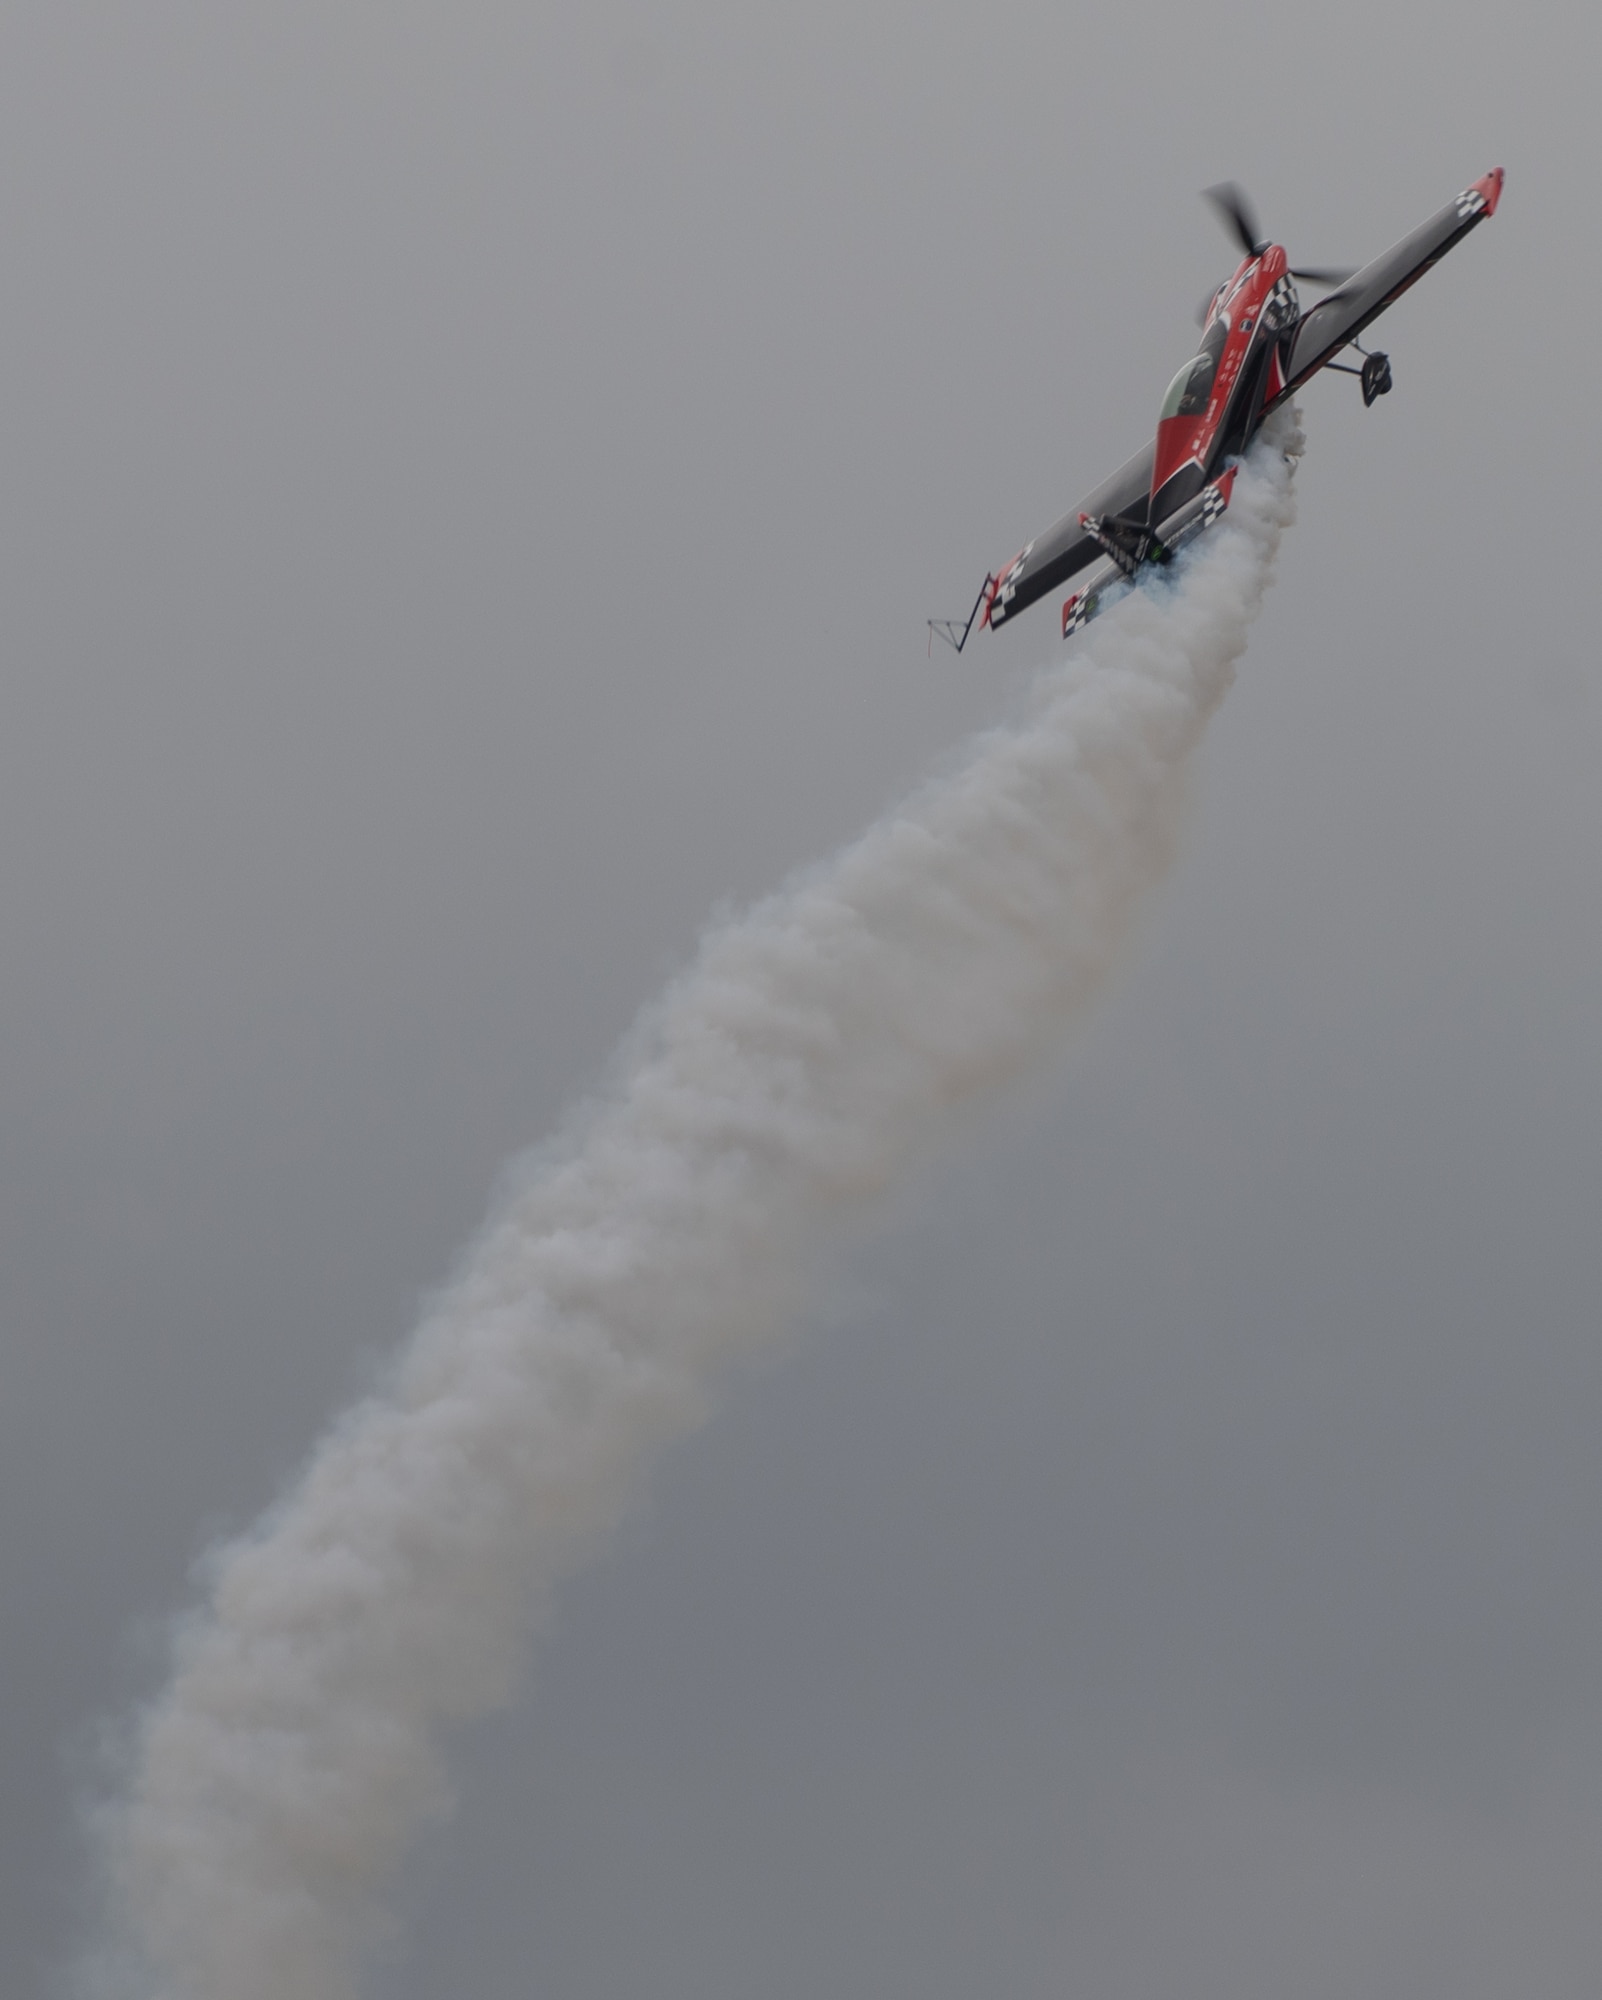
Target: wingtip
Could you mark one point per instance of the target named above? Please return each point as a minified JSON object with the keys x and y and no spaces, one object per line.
{"x":1490,"y":186}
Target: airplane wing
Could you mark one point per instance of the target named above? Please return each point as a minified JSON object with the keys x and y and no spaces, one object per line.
{"x":1065,"y":548}
{"x":1343,"y":315}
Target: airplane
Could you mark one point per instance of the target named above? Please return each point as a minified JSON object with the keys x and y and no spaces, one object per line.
{"x":1257,"y":348}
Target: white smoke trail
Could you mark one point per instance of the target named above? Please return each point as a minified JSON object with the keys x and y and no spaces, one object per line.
{"x":807,"y":1055}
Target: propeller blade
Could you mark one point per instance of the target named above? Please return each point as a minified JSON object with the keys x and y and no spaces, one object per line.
{"x":1327,"y":274}
{"x":1234,"y":205}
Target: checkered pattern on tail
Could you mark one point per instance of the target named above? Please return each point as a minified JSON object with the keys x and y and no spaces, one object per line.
{"x":1079,"y":611}
{"x":1213,"y":505}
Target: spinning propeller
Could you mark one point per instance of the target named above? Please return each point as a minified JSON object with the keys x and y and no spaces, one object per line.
{"x":1234,"y":206}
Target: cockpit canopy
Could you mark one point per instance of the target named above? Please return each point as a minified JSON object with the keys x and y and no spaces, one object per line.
{"x":1188,"y":392}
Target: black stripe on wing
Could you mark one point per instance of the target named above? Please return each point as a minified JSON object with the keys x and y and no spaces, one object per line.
{"x":1343,"y":315}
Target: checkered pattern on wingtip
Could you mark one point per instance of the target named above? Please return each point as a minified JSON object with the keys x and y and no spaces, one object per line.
{"x":1470,"y":202}
{"x":1007,"y":587}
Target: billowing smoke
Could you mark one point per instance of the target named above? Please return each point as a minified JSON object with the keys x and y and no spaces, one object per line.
{"x":813,"y":1051}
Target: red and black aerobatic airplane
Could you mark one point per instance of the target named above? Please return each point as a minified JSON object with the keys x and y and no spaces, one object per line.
{"x":1257,"y":348}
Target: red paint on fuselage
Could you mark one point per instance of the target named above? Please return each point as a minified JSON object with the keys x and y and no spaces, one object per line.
{"x":1179,"y":441}
{"x":1184,"y":443}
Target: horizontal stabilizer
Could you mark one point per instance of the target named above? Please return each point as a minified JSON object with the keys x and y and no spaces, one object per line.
{"x":1079,"y":610}
{"x":1114,"y":578}
{"x":1104,"y":586}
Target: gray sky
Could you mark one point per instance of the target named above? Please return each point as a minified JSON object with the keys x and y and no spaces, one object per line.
{"x":475,"y":480}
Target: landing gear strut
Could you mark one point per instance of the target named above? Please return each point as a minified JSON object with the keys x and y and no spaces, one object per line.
{"x":1375,"y":374}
